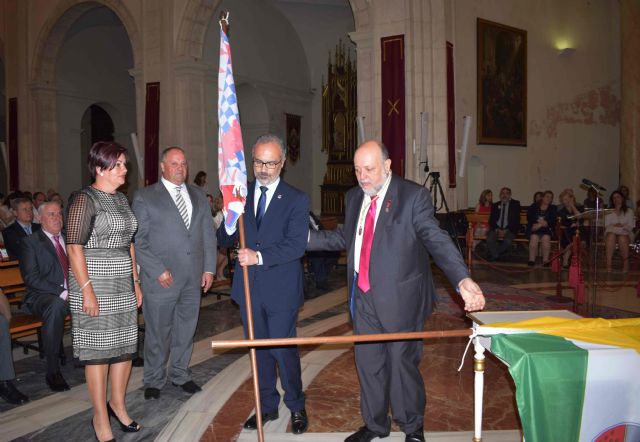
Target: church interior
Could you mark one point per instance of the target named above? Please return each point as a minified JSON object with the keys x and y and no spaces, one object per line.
{"x":326,"y":75}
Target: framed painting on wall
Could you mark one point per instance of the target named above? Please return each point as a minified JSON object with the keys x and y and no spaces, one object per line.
{"x":502,"y":84}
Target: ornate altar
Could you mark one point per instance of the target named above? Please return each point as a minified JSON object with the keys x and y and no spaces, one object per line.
{"x":339,"y":131}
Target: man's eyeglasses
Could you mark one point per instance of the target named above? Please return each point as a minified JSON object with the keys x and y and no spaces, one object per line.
{"x":268,"y":164}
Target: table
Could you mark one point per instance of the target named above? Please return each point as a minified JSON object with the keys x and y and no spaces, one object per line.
{"x":481,"y":343}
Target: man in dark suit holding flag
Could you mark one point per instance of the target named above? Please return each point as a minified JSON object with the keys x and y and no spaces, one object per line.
{"x":276,"y":231}
{"x":390,"y":232}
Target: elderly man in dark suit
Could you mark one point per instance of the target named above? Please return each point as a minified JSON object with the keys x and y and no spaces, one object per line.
{"x":504,"y":223}
{"x":21,"y":228}
{"x":390,"y":232}
{"x":176,"y":251}
{"x":45,"y":269}
{"x":276,"y":228}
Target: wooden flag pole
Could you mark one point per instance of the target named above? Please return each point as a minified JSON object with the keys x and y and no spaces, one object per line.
{"x":317,"y":340}
{"x":224,"y":23}
{"x":249,"y":315}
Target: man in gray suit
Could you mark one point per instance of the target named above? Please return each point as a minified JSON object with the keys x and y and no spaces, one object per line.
{"x":176,"y":250}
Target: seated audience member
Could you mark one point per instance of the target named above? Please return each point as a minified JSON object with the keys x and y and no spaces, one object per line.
{"x":592,"y":199}
{"x":504,"y":223}
{"x":484,"y":206}
{"x":45,"y":269}
{"x":21,"y":228}
{"x":218,"y":218}
{"x":541,"y":222}
{"x":38,"y":198}
{"x":636,"y":230}
{"x":618,"y":228}
{"x":624,"y":190}
{"x":571,"y":225}
{"x":537,"y":197}
{"x":7,"y":217}
{"x":201,"y":179}
{"x":56,"y":197}
{"x":8,"y":390}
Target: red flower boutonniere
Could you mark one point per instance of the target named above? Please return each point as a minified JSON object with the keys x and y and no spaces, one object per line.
{"x":388,"y":206}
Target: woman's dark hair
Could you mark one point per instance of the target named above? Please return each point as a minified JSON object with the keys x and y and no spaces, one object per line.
{"x":623,"y":207}
{"x":200,"y":177}
{"x":535,"y":196}
{"x":104,"y":155}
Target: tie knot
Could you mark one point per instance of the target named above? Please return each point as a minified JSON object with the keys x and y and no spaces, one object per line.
{"x":178,"y":189}
{"x":57,"y":238}
{"x":263,"y":189}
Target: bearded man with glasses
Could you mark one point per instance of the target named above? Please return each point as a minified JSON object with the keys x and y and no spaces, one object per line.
{"x":276,"y":230}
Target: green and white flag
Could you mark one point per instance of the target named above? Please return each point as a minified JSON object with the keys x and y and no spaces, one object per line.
{"x":576,"y":380}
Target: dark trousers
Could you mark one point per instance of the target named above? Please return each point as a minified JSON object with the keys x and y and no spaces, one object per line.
{"x":52,"y":309}
{"x":388,"y":373}
{"x":6,"y":358}
{"x":496,"y":247}
{"x":274,"y":360}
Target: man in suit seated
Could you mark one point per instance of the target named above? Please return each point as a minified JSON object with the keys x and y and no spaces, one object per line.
{"x":21,"y":228}
{"x":504,"y":223}
{"x":45,"y":269}
{"x":8,"y":390}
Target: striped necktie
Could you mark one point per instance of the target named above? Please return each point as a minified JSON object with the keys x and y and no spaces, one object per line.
{"x":182,"y":206}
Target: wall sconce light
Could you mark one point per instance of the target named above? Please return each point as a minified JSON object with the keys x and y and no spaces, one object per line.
{"x":565,"y":52}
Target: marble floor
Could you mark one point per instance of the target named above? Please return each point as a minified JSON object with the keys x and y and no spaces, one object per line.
{"x":329,"y":377}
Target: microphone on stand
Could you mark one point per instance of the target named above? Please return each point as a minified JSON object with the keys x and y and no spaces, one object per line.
{"x":590,"y":183}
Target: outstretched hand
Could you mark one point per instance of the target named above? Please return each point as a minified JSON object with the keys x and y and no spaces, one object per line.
{"x":471,"y":294}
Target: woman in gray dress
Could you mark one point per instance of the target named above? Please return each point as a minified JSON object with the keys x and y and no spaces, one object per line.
{"x":104,"y":289}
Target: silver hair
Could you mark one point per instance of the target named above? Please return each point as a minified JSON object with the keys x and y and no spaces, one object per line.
{"x":270,"y":138}
{"x":44,"y":205}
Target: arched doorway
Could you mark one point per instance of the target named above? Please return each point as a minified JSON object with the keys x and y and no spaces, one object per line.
{"x":93,"y":65}
{"x":82,"y":55}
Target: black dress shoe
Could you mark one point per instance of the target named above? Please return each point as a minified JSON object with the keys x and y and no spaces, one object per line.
{"x":190,"y":387}
{"x":56,"y":382}
{"x":252,"y":422}
{"x":133,"y":427}
{"x":151,"y":393}
{"x":416,"y":436}
{"x":11,"y":394}
{"x":364,"y":435}
{"x":299,"y":421}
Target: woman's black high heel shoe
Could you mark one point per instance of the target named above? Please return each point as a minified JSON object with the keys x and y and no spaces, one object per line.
{"x":133,"y":427}
{"x":96,"y":434}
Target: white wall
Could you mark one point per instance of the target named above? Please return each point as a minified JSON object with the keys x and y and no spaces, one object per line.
{"x":573,"y":101}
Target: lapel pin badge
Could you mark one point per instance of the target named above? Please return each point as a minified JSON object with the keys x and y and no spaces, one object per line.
{"x":279,"y":196}
{"x":388,"y":206}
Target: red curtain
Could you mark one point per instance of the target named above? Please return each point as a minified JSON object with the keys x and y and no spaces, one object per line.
{"x":393,"y":109}
{"x":14,"y":172}
{"x":451,"y":117}
{"x":151,"y":133}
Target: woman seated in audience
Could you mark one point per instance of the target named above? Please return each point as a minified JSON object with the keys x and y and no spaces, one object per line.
{"x":571,"y":225}
{"x":484,"y":206}
{"x":6,"y":214}
{"x":618,"y":228}
{"x":541,"y":222}
{"x":218,"y":218}
{"x":537,"y":197}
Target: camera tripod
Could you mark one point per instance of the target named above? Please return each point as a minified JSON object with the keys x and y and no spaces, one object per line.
{"x":440,"y":201}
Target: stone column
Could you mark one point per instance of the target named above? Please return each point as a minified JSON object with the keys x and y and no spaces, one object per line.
{"x":190,"y":113}
{"x":423,"y":24}
{"x":39,"y":157}
{"x":630,"y":91}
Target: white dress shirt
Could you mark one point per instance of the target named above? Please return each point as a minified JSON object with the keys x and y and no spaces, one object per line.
{"x":171,"y":187}
{"x":366,"y":203}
